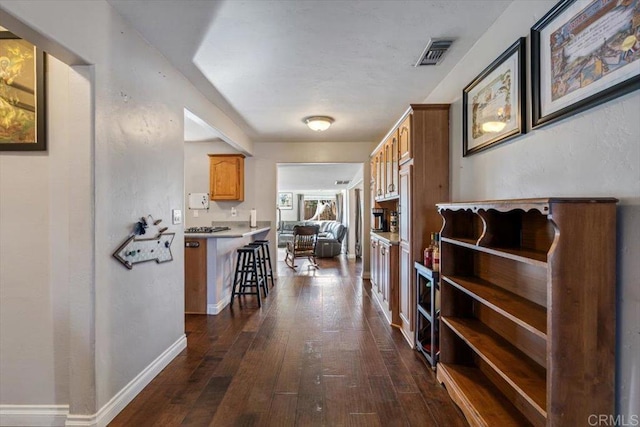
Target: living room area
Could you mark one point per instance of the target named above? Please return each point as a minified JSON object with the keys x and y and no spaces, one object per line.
{"x":326,"y":195}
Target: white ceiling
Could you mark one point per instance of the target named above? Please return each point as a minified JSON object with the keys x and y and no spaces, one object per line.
{"x":268,"y":64}
{"x":317,"y":176}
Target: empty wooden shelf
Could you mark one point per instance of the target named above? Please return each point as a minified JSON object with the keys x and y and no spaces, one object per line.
{"x":528,"y":309}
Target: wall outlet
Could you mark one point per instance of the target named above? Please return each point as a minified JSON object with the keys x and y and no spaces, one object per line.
{"x":196,"y":214}
{"x":234,"y":212}
{"x":176,"y":216}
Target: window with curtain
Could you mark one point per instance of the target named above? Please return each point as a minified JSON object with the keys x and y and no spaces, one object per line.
{"x":320,"y":209}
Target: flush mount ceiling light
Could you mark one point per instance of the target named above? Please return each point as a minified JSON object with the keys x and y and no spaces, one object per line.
{"x":318,"y":123}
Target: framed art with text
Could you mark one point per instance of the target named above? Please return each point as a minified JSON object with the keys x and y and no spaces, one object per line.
{"x":583,"y":53}
{"x":22,"y":101}
{"x":494,"y":102}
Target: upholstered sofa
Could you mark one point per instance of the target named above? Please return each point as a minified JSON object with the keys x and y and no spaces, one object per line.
{"x":330,"y":236}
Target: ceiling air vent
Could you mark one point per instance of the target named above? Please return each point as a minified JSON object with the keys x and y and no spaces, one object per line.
{"x":342,"y":182}
{"x":434,"y":52}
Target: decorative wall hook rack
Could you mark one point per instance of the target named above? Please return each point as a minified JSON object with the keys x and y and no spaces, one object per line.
{"x":136,"y":250}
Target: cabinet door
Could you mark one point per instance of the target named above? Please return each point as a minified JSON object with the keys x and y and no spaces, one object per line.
{"x":226,"y":177}
{"x":404,"y":205}
{"x":387,"y":167}
{"x":195,"y":276}
{"x":406,"y":292}
{"x":382,"y":172}
{"x":404,"y":136}
{"x":374,"y":176}
{"x":391,"y":164}
{"x":384,"y":273}
{"x":374,"y":263}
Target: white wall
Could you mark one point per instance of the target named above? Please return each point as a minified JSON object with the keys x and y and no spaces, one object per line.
{"x":268,"y":154}
{"x":595,"y":153}
{"x":34,"y":270}
{"x":132,"y":165}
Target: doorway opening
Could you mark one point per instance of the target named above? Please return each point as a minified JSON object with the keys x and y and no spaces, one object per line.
{"x":325,"y":194}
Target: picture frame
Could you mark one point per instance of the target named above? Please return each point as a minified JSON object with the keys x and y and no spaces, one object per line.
{"x":285,"y":200}
{"x":22,"y":95}
{"x":583,"y":54}
{"x":494,"y":103}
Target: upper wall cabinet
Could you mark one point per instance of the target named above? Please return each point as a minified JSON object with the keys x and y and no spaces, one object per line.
{"x":391,"y":165}
{"x":404,"y":131}
{"x":384,"y":172}
{"x":226,"y":176}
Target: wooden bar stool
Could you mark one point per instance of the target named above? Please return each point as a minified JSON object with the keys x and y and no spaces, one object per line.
{"x":247,"y":275}
{"x":266,"y":256}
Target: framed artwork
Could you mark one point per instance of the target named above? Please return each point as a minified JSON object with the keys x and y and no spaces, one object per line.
{"x":494,"y":102}
{"x":22,"y":103}
{"x":583,"y":53}
{"x":285,"y":200}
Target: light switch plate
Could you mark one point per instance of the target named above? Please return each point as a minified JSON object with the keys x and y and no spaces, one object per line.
{"x":176,"y":216}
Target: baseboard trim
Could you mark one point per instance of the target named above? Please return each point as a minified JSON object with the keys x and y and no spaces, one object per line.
{"x":33,"y":415}
{"x":217,"y":308}
{"x":109,"y":411}
{"x":408,"y":338}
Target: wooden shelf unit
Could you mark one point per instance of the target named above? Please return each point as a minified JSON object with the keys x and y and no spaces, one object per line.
{"x":527,"y":333}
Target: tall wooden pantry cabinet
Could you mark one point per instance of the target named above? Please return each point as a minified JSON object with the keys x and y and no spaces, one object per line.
{"x":424,"y":181}
{"x":419,"y":145}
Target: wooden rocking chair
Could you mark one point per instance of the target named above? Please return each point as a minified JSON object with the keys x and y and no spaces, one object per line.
{"x":305,"y":238}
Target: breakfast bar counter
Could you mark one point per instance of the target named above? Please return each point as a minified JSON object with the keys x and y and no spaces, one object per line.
{"x":232,"y":232}
{"x":210,"y":263}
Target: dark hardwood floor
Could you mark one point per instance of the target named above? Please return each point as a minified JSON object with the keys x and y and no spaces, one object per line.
{"x":318,"y":353}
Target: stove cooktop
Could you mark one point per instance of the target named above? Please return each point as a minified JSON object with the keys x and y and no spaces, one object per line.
{"x":205,"y":229}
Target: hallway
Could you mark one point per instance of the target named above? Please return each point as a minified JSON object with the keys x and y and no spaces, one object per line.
{"x":319,"y":353}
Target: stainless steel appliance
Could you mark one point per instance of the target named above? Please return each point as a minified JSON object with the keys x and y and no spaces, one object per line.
{"x":378,"y":222}
{"x":205,"y":229}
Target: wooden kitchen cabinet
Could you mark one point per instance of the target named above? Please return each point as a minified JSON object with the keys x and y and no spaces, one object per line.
{"x":384,"y":169}
{"x":411,"y":167}
{"x":406,"y":261}
{"x":404,"y":140}
{"x":226,"y":177}
{"x":375,"y":263}
{"x":195,"y":275}
{"x":384,"y":276}
{"x":391,"y":165}
{"x":422,"y":157}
